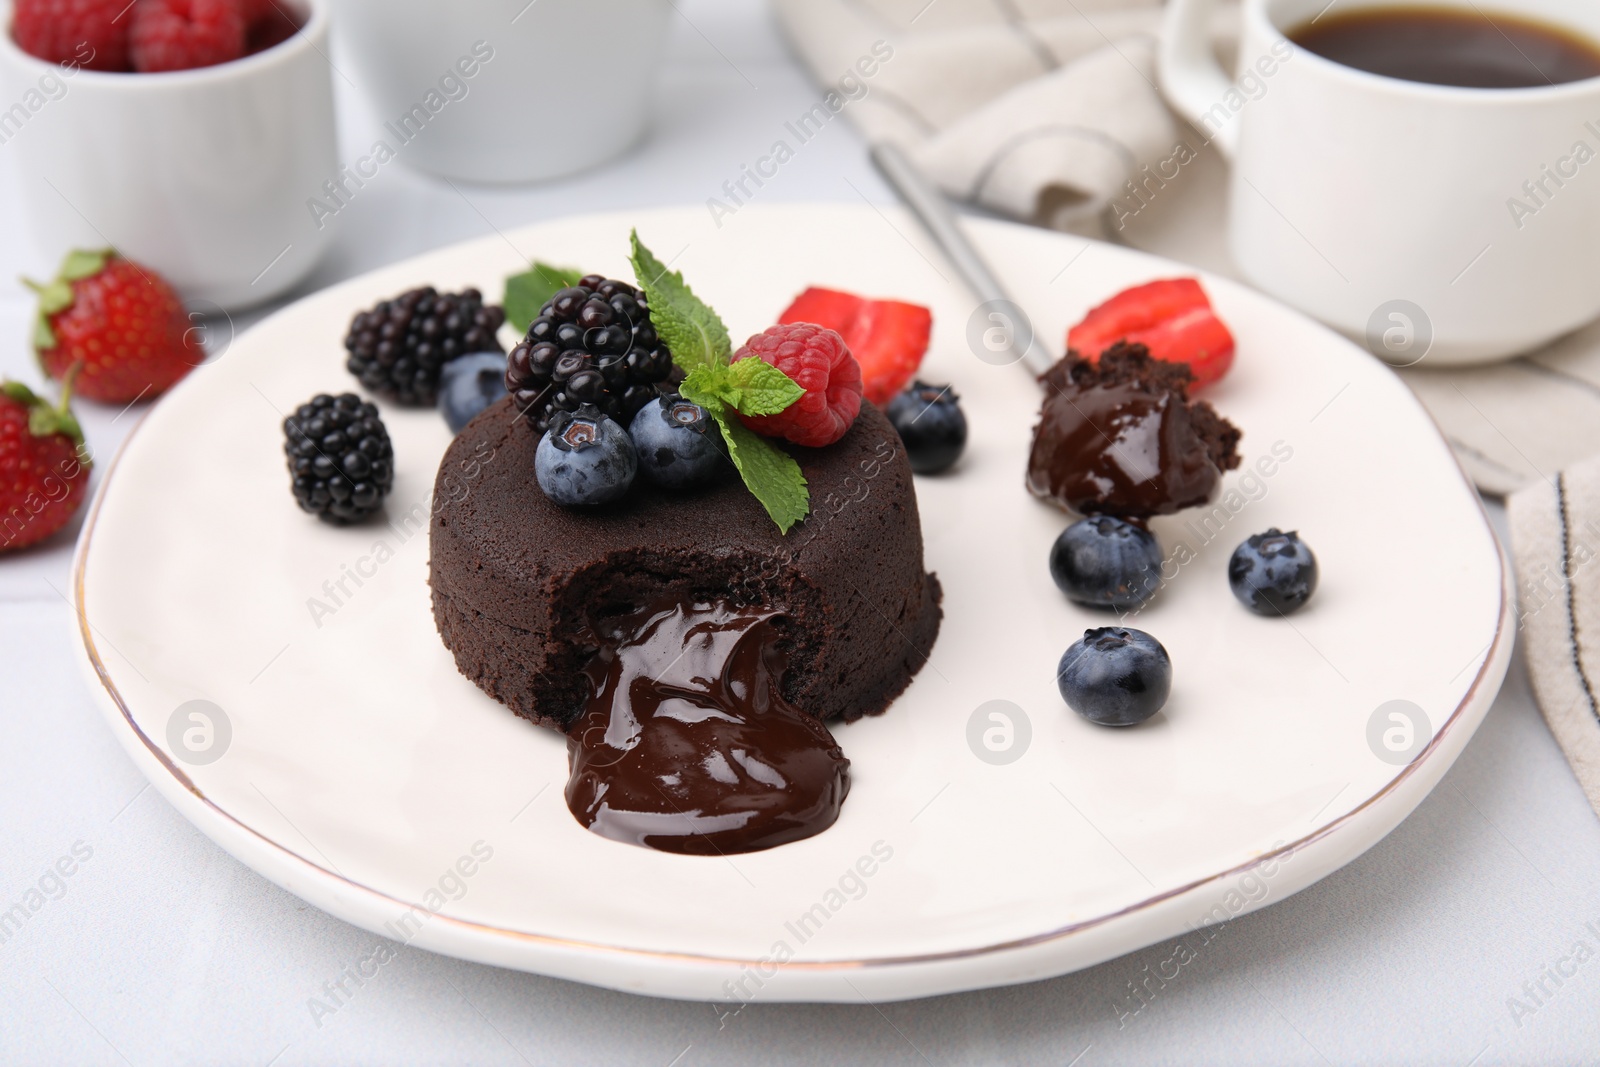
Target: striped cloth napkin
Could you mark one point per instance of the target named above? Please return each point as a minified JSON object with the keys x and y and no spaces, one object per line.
{"x":1555,"y":537}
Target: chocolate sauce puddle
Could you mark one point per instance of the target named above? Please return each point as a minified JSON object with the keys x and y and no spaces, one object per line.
{"x":686,"y":745}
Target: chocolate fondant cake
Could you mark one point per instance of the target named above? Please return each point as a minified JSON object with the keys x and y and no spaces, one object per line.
{"x":526,"y":591}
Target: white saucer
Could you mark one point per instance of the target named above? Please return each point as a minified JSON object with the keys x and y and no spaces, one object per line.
{"x":366,"y":776}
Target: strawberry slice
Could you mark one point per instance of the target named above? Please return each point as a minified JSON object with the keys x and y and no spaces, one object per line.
{"x":1172,"y":318}
{"x":887,"y":337}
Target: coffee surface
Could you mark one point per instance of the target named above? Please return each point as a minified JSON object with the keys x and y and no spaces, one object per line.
{"x":1439,"y":46}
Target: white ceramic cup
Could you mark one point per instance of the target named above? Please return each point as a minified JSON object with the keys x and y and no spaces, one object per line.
{"x":201,"y":174}
{"x":507,"y":90}
{"x":1388,"y":208}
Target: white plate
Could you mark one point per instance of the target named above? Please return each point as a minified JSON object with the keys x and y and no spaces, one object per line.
{"x":362,"y":768}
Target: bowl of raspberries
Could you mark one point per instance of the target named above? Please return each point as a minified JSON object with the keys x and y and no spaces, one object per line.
{"x":188,"y":133}
{"x":151,"y":36}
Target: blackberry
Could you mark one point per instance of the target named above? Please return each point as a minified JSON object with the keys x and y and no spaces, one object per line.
{"x":339,"y":457}
{"x":399,"y":347}
{"x":593,"y":343}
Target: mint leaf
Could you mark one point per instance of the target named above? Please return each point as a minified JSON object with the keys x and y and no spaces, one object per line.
{"x":700,"y":347}
{"x":761,"y":388}
{"x":527,"y":292}
{"x":707,"y":386}
{"x":693,"y":332}
{"x":750,"y":386}
{"x":770,"y":473}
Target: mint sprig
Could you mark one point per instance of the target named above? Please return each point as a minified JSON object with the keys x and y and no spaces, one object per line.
{"x":527,"y":292}
{"x":693,"y":332}
{"x":699,"y":343}
{"x":752,"y":386}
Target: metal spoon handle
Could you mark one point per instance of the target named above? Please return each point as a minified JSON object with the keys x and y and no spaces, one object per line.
{"x":933,"y":210}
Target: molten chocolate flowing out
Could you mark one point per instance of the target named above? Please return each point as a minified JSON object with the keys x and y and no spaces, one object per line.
{"x":686,"y":745}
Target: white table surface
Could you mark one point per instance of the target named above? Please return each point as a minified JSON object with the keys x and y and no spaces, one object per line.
{"x":164,"y":950}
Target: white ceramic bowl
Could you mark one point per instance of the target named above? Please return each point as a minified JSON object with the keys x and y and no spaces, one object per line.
{"x":203,"y":175}
{"x":507,"y":90}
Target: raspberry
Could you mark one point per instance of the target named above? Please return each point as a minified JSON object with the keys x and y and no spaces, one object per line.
{"x":185,"y":34}
{"x":818,"y":361}
{"x":887,"y":337}
{"x":85,"y":32}
{"x":268,"y":23}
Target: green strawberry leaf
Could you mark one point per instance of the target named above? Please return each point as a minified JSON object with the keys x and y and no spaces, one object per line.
{"x":691,"y":330}
{"x":527,"y":292}
{"x":56,"y":295}
{"x":761,"y":388}
{"x":80,"y":264}
{"x":44,"y":338}
{"x":18,"y":392}
{"x":43,"y":419}
{"x":53,"y":296}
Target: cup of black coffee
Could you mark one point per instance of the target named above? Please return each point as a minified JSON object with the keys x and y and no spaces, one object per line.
{"x":1424,"y":178}
{"x":1469,"y":48}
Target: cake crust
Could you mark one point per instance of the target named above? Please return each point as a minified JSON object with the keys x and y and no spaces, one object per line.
{"x":520,"y":584}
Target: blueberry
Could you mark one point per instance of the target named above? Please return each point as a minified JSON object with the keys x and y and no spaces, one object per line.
{"x":678,"y":444}
{"x":930,"y":423}
{"x":1273,"y":573}
{"x":585,"y":458}
{"x":1104,"y":562}
{"x":468,"y":384}
{"x":1115,"y":676}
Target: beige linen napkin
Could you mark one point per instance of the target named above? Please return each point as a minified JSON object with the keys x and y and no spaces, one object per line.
{"x":1555,"y":537}
{"x":1037,"y":109}
{"x":1517,"y":423}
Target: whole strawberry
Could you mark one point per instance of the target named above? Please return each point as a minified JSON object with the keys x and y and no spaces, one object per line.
{"x":121,"y":322}
{"x":44,"y":467}
{"x":85,"y":33}
{"x":185,"y":34}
